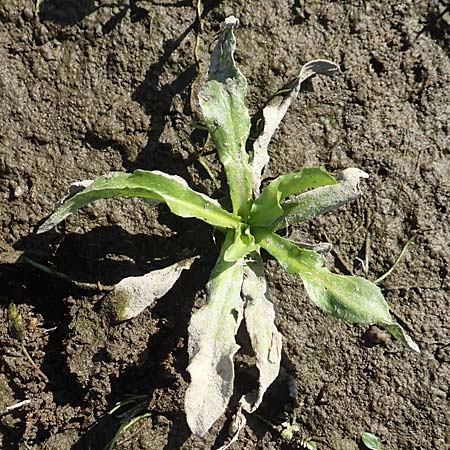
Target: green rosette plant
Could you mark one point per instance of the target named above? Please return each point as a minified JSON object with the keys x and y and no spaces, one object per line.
{"x":237,"y":290}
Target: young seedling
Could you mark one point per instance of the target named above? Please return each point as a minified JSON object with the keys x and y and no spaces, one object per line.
{"x":237,"y":290}
{"x":128,"y":412}
{"x":17,"y":330}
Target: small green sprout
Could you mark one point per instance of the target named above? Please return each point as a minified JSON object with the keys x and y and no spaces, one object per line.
{"x":308,"y":443}
{"x":17,"y":330}
{"x":371,"y":441}
{"x":128,"y":412}
{"x":290,"y":426}
{"x":237,"y":290}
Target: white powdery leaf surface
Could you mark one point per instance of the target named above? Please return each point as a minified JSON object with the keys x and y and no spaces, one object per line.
{"x":323,"y":199}
{"x":266,"y":340}
{"x":276,"y":109}
{"x":212,"y":346}
{"x":134,"y":294}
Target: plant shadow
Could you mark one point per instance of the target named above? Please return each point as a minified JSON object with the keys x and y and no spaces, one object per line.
{"x":69,"y":12}
{"x":157,"y":100}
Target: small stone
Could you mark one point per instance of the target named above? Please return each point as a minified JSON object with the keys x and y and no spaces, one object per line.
{"x":18,"y":192}
{"x":27,"y":14}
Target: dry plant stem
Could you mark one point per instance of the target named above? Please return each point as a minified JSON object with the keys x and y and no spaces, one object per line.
{"x":205,"y":165}
{"x":31,"y":361}
{"x":198,"y":32}
{"x":367,"y":253}
{"x":14,"y":407}
{"x":397,"y":261}
{"x":61,"y":276}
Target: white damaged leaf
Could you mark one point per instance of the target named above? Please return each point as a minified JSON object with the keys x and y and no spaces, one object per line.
{"x":222,"y":101}
{"x":399,"y":333}
{"x":237,"y":425}
{"x":276,"y":109}
{"x":266,"y":340}
{"x":323,"y":199}
{"x":134,"y":294}
{"x":73,"y":189}
{"x":212,"y":345}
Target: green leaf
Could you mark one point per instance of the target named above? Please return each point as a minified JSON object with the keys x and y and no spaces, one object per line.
{"x":243,"y":243}
{"x":173,"y":190}
{"x":267,"y":208}
{"x":212,"y":345}
{"x":222,"y":103}
{"x":371,"y":441}
{"x":350,"y":298}
{"x":323,"y":199}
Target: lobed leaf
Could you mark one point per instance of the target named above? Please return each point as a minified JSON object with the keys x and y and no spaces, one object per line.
{"x":173,"y":190}
{"x":350,"y":298}
{"x":276,"y":109}
{"x":134,"y":294}
{"x":222,"y":101}
{"x":267,"y":208}
{"x":323,"y":199}
{"x":212,"y":345}
{"x":266,"y":340}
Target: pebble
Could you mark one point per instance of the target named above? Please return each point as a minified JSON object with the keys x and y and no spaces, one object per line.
{"x":27,"y":14}
{"x":18,"y":192}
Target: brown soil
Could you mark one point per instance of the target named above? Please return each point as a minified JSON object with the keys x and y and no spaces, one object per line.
{"x":94,"y":86}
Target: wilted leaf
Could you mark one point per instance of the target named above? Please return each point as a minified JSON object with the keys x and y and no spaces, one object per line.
{"x":276,"y":109}
{"x":323,"y":199}
{"x":212,"y":345}
{"x":222,"y":101}
{"x":267,"y":208}
{"x":237,"y":425}
{"x":353,"y":299}
{"x":73,"y":189}
{"x":133,"y":294}
{"x":259,"y":317}
{"x":173,"y":190}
